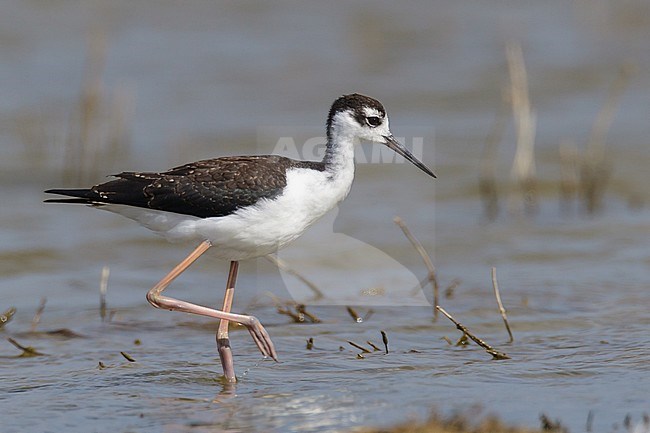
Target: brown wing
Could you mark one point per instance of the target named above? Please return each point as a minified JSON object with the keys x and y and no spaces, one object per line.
{"x":208,"y":188}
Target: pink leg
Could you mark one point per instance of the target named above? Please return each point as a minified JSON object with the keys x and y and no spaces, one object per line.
{"x":255,"y":328}
{"x":223,"y":342}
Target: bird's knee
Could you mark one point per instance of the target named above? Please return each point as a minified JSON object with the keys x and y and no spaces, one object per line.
{"x":154,"y":299}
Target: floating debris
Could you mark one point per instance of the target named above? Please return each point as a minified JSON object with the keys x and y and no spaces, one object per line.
{"x":552,"y":426}
{"x":28,"y":351}
{"x":7,"y":316}
{"x":127,"y":356}
{"x":63,"y":332}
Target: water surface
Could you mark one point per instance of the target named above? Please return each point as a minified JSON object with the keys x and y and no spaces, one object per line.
{"x":209,"y":79}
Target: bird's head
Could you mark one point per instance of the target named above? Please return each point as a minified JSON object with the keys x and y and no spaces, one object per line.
{"x":362,"y":117}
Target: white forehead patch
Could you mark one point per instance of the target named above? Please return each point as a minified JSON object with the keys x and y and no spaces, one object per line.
{"x":371,"y":112}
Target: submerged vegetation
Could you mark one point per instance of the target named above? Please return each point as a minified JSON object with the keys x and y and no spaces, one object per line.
{"x":461,"y":423}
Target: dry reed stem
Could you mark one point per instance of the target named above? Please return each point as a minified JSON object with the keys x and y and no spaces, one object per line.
{"x":302,"y":309}
{"x":384,"y":339}
{"x":37,"y":316}
{"x":358,"y":346}
{"x":421,"y":285}
{"x":283,"y":307}
{"x":449,"y":290}
{"x":597,"y":141}
{"x":489,"y":349}
{"x":353,"y":313}
{"x":431,"y":270}
{"x":127,"y":357}
{"x":296,"y":317}
{"x":568,"y":174}
{"x":590,"y":422}
{"x":121,"y":112}
{"x":373,"y":345}
{"x":82,"y":146}
{"x":282,"y":265}
{"x":368,"y":315}
{"x":463,"y":340}
{"x":28,"y":351}
{"x":502,"y":310}
{"x":7,"y":316}
{"x":594,"y":171}
{"x":103,"y":288}
{"x":98,"y":131}
{"x":522,"y":173}
{"x":488,"y":165}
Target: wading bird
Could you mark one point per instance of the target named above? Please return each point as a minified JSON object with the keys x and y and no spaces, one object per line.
{"x":243,"y":206}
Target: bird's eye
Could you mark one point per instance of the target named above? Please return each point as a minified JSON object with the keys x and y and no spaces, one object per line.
{"x":373,"y":121}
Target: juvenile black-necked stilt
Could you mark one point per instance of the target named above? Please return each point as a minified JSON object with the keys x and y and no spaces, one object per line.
{"x":244,"y":206}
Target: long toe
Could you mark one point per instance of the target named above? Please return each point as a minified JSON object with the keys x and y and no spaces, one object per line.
{"x":261,"y":338}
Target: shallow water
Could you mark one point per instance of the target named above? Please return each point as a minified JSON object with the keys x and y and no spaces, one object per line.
{"x":212,"y":79}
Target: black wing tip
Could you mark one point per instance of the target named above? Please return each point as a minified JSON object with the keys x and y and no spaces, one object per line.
{"x":81,"y":196}
{"x":70,"y":201}
{"x":81,"y":193}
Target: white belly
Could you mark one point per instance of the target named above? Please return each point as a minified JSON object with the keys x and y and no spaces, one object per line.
{"x":257,"y":230}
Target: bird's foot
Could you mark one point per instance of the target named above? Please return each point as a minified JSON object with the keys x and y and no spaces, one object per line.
{"x":261,"y":337}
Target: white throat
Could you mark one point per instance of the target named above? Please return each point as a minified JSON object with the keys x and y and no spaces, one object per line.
{"x":339,"y":155}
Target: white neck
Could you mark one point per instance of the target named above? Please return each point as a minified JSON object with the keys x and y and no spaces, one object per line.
{"x":339,"y":155}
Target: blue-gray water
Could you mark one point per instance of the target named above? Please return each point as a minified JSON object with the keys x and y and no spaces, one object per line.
{"x":202,"y":79}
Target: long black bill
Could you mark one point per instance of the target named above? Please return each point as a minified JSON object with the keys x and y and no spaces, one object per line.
{"x":403,"y":151}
